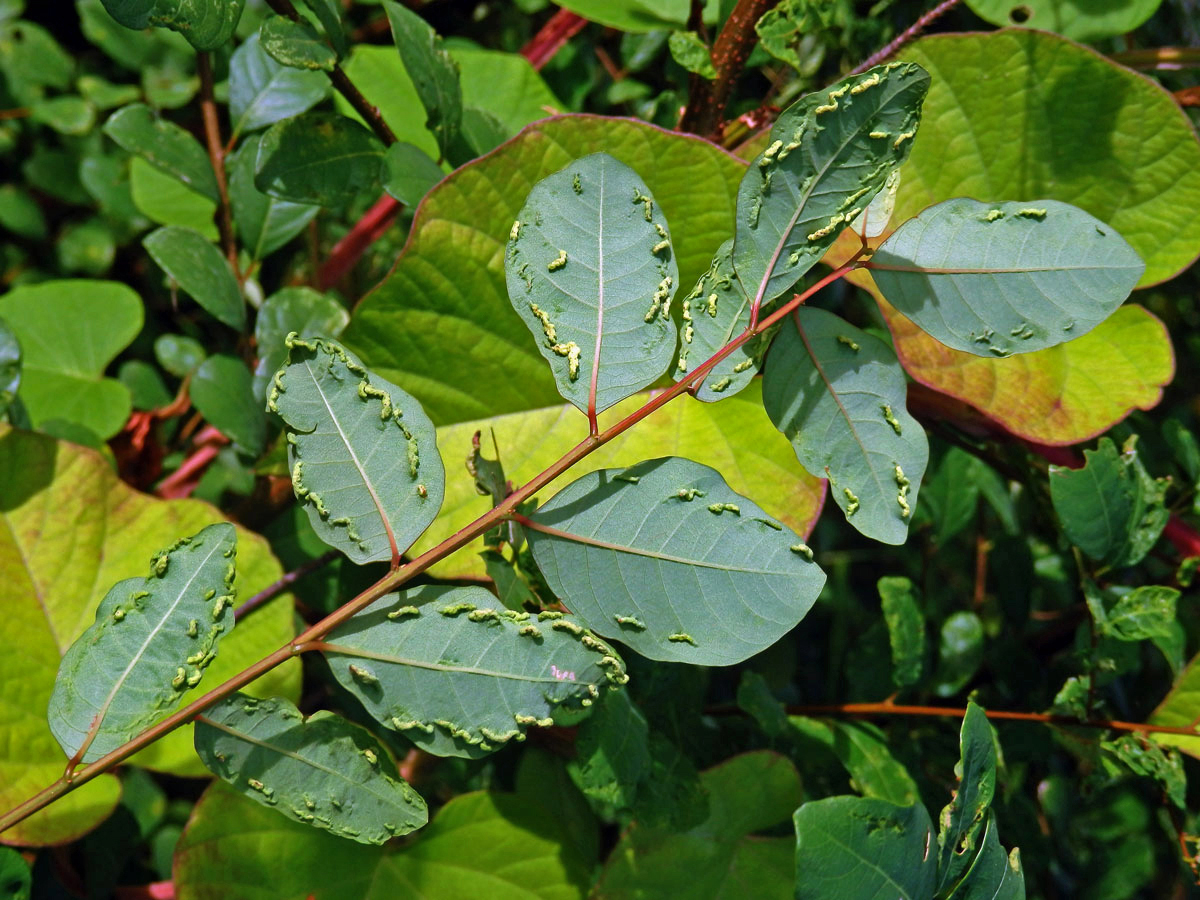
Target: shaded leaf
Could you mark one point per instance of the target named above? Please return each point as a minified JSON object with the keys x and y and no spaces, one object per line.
{"x":222,"y":390}
{"x":329,"y":14}
{"x":320,"y":770}
{"x":1133,"y":614}
{"x":960,"y":652}
{"x":409,"y":173}
{"x":1005,"y":278}
{"x":145,"y":384}
{"x":69,"y":331}
{"x":994,"y":874}
{"x":264,"y":223}
{"x":10,"y":366}
{"x":863,"y":847}
{"x":863,"y":752}
{"x":1111,"y":509}
{"x":459,"y":675}
{"x":319,"y":157}
{"x":906,"y":629}
{"x":263,"y":91}
{"x":434,"y":74}
{"x":839,"y":396}
{"x":362,"y":453}
{"x":207,"y":24}
{"x":830,"y":153}
{"x":591,"y":272}
{"x":15,"y":878}
{"x":178,"y":354}
{"x":960,"y":837}
{"x":307,"y":312}
{"x":296,"y":44}
{"x":666,"y":558}
{"x":152,"y":639}
{"x":164,"y":145}
{"x":200,"y":270}
{"x":612,"y":756}
{"x":1142,"y":755}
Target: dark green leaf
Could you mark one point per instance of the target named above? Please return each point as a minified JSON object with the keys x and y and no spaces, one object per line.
{"x":754,"y":696}
{"x":296,"y":44}
{"x":200,"y":271}
{"x":307,"y":312}
{"x":863,"y":847}
{"x":591,"y":272}
{"x":178,"y":354}
{"x":906,"y":629}
{"x":960,"y":837}
{"x":1141,"y":755}
{"x":1003,"y":278}
{"x":409,"y":173}
{"x":820,"y":171}
{"x":223,"y":392}
{"x":960,"y":652}
{"x":207,"y":24}
{"x":863,"y":752}
{"x":1133,"y":614}
{"x":320,"y":770}
{"x":664,"y":557}
{"x":434,"y":74}
{"x":145,"y":385}
{"x":152,"y":640}
{"x":264,"y":223}
{"x":32,"y":60}
{"x":20,"y":213}
{"x":362,"y":452}
{"x":839,"y":395}
{"x":261,"y":91}
{"x":15,"y":879}
{"x":10,"y":366}
{"x":994,"y":875}
{"x":1111,"y":509}
{"x":692,"y":53}
{"x":459,"y":675}
{"x":320,"y":157}
{"x":612,"y":756}
{"x":328,"y":13}
{"x":164,"y":145}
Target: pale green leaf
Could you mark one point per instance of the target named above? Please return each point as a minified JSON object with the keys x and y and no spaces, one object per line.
{"x":307,"y":312}
{"x":321,"y":770}
{"x":692,"y":53}
{"x":66,"y":114}
{"x":1004,"y":278}
{"x":207,"y":24}
{"x":1086,"y":22}
{"x":318,"y":157}
{"x":906,"y":628}
{"x":409,"y":173}
{"x":178,"y":354}
{"x":960,"y":652}
{"x":863,"y":847}
{"x":839,"y":395}
{"x":459,"y":675}
{"x":505,"y":85}
{"x":830,"y":153}
{"x":222,"y":390}
{"x":296,"y":44}
{"x":152,"y":639}
{"x":264,"y":223}
{"x":164,"y":145}
{"x":1133,"y":614}
{"x":166,"y":200}
{"x":262,"y":91}
{"x":362,"y":452}
{"x":592,"y":273}
{"x":69,"y":331}
{"x":434,"y":74}
{"x":200,"y":270}
{"x":664,"y":557}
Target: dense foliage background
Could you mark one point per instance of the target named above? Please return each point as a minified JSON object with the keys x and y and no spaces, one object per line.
{"x":134,"y":397}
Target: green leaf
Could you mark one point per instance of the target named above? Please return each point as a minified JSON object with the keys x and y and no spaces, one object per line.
{"x":1122,"y":149}
{"x":664,"y":557}
{"x":87,"y":247}
{"x":222,"y":390}
{"x":722,"y":858}
{"x":20,"y":213}
{"x":262,"y":91}
{"x":166,"y":200}
{"x":15,"y":878}
{"x":145,"y":384}
{"x":69,"y":331}
{"x":1005,"y":278}
{"x":1111,"y":509}
{"x":459,"y":675}
{"x":152,"y":639}
{"x":820,"y":171}
{"x":612,"y":755}
{"x":960,"y":652}
{"x":839,"y":395}
{"x":409,"y":173}
{"x":320,"y":770}
{"x":637,"y":15}
{"x":362,"y":452}
{"x":307,"y":312}
{"x":72,"y":530}
{"x":906,"y":629}
{"x":296,"y":44}
{"x":692,"y":53}
{"x":207,"y":24}
{"x":863,"y":752}
{"x":66,"y":114}
{"x":994,"y":874}
{"x":32,"y":60}
{"x":165,"y":146}
{"x":863,"y":847}
{"x":328,"y":13}
{"x":1086,"y":23}
{"x":264,"y":223}
{"x":960,"y":837}
{"x":200,"y":270}
{"x":714,"y":313}
{"x":10,"y":366}
{"x":1133,"y":614}
{"x":178,"y":354}
{"x":485,"y":845}
{"x":484,"y":362}
{"x":320,"y":157}
{"x":108,"y":178}
{"x":505,"y":85}
{"x":1137,"y":754}
{"x":434,"y":74}
{"x":588,"y":259}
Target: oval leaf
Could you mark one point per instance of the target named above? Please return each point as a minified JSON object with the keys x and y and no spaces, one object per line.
{"x":152,"y":640}
{"x":459,"y":675}
{"x":434,"y":74}
{"x":296,"y":44}
{"x":591,"y":272}
{"x":1003,"y":278}
{"x":829,"y":155}
{"x":262,"y":91}
{"x":363,"y":454}
{"x":165,"y":146}
{"x":307,"y":312}
{"x":206,"y":24}
{"x":666,"y":558}
{"x":320,"y":158}
{"x":323,"y":770}
{"x":200,"y":270}
{"x":222,"y":390}
{"x":264,"y":223}
{"x":838,"y":394}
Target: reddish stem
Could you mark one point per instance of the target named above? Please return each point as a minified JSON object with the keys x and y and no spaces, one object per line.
{"x":552,"y":37}
{"x":366,"y":231}
{"x":183,"y":480}
{"x":911,"y":33}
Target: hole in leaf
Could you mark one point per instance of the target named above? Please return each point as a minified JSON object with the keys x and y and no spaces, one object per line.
{"x":1020,"y":14}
